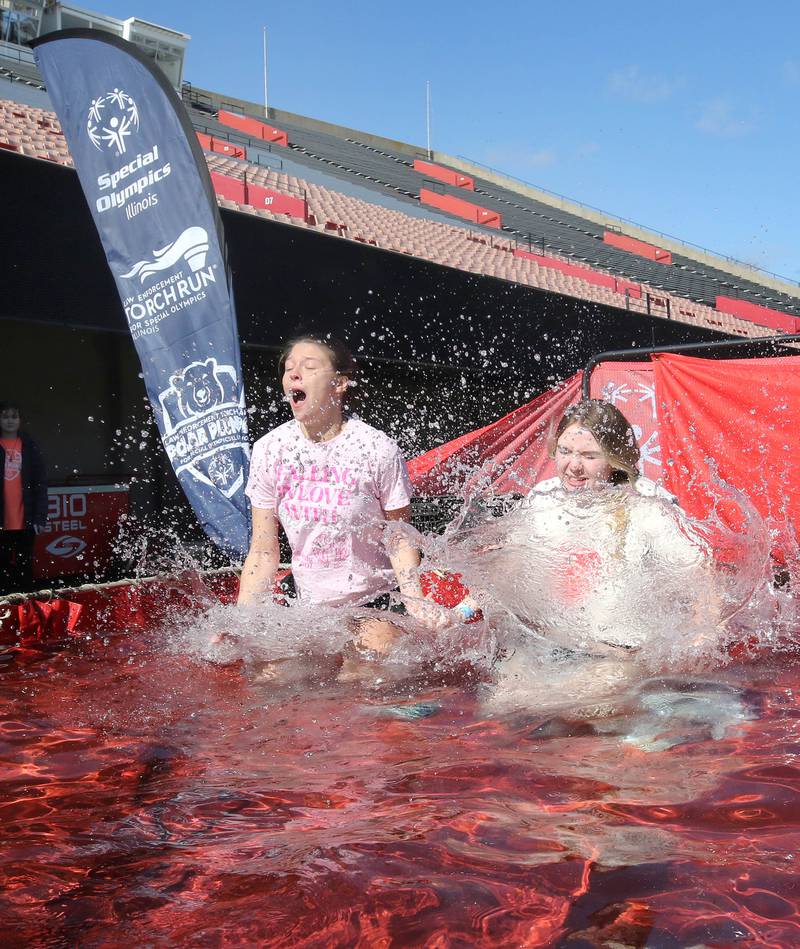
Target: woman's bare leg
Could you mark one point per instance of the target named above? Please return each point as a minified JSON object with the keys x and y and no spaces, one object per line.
{"x":373,"y":640}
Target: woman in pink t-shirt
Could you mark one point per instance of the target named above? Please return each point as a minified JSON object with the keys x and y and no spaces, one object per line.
{"x":332,"y":483}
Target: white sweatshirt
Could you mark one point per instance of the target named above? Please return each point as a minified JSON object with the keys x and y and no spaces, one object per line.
{"x":600,"y":567}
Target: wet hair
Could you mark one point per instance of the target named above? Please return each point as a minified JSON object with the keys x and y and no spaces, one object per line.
{"x":613,"y":432}
{"x":342,"y":359}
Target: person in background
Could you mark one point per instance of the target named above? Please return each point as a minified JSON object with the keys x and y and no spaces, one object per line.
{"x":23,"y":501}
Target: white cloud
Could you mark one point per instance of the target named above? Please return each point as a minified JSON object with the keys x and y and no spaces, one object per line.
{"x":587,"y":149}
{"x":719,"y":117}
{"x":790,"y":70}
{"x":521,"y":157}
{"x":541,"y":157}
{"x":631,"y":83}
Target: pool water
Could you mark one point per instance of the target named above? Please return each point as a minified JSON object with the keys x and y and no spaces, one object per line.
{"x":152,"y":799}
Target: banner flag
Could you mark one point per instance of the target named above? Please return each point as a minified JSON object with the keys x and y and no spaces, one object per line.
{"x":148,"y":188}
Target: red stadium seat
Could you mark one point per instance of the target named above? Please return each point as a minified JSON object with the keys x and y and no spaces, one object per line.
{"x":461,"y":208}
{"x":253,"y":127}
{"x":448,"y":175}
{"x":641,"y":248}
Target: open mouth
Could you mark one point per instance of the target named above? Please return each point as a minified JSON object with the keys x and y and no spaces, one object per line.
{"x":297,"y":396}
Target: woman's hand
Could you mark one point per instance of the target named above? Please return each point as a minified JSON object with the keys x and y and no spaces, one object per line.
{"x":428,"y":613}
{"x":468,"y":610}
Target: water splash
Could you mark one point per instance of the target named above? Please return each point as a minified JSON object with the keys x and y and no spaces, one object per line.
{"x":594,"y":572}
{"x":589,"y":592}
{"x":584,"y":595}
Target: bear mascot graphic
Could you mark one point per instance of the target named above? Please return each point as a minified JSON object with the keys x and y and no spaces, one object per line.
{"x":198,"y":388}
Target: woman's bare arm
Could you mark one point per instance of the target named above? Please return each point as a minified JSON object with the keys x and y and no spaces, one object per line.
{"x":405,"y":559}
{"x":263,"y":558}
{"x":404,"y":556}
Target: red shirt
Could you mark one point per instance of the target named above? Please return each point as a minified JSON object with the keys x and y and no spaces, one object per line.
{"x":13,"y":508}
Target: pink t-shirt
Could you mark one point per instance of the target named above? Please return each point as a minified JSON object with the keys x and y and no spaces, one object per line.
{"x":330,"y":498}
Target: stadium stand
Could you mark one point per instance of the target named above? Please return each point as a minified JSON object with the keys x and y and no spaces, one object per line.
{"x":340,"y":214}
{"x":266,"y":190}
{"x":33,"y":132}
{"x":387,"y":168}
{"x":528,"y":215}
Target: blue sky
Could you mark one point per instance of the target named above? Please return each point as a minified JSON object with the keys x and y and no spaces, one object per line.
{"x":681,"y":117}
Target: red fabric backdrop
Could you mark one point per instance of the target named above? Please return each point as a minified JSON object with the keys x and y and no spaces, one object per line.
{"x":631,"y":388}
{"x":689,"y":414}
{"x":515,"y":446}
{"x":743,"y":415}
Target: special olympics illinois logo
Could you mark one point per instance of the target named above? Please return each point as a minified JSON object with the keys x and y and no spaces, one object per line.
{"x":223,"y":472}
{"x":112,"y":118}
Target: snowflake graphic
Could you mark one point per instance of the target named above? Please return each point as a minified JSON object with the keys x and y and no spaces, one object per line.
{"x":647,"y":393}
{"x":649,"y":450}
{"x":614,"y":392}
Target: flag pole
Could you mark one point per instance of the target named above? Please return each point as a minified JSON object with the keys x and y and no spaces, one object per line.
{"x":266,"y":84}
{"x":428,"y":117}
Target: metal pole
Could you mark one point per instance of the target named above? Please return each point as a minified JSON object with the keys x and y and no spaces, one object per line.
{"x":389,"y":361}
{"x":266,"y":85}
{"x":775,"y":343}
{"x":428,"y":117}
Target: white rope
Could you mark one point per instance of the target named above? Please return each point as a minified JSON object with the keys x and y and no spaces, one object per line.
{"x":59,"y":593}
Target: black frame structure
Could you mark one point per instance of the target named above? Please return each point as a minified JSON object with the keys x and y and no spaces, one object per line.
{"x":764,"y":346}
